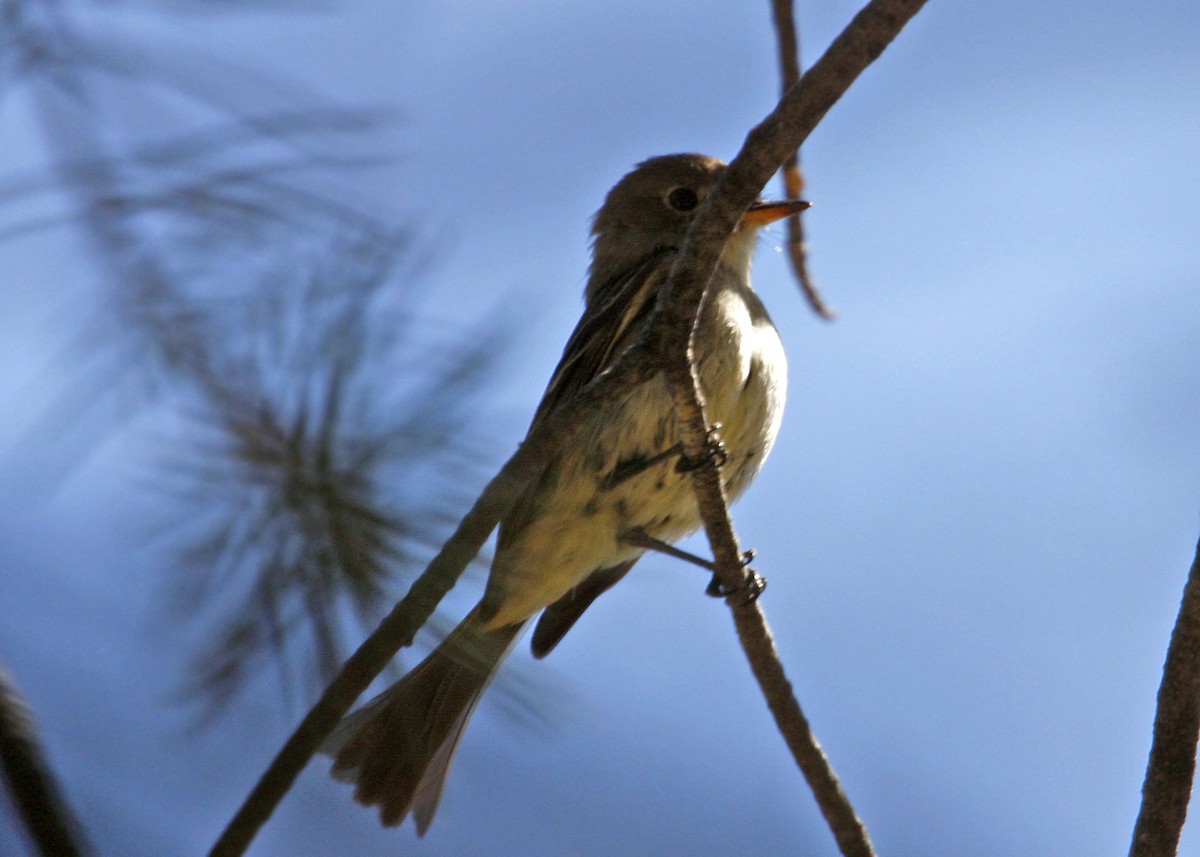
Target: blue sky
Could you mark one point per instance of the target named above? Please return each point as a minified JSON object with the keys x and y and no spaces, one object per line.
{"x":977,"y":520}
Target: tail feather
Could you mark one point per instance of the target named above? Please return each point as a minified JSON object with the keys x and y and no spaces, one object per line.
{"x":397,"y":749}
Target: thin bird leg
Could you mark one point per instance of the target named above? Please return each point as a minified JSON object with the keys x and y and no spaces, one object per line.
{"x":626,"y":470}
{"x":637,"y":537}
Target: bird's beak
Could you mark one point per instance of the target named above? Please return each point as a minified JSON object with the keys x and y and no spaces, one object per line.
{"x":762,"y":213}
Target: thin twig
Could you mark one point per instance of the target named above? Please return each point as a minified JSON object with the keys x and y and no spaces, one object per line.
{"x":766,"y":148}
{"x":35,"y":795}
{"x":793,"y":178}
{"x":1172,"y":765}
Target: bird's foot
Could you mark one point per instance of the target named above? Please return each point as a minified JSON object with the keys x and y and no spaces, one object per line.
{"x":752,"y":588}
{"x":747,"y":592}
{"x":714,"y":450}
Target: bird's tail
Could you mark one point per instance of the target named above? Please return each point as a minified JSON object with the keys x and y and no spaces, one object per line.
{"x":398,"y":747}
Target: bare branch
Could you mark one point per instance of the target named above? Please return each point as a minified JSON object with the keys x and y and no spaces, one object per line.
{"x":766,"y":148}
{"x":49,"y":821}
{"x":1172,"y":766}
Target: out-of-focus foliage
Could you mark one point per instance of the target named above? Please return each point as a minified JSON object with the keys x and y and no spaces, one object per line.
{"x":263,"y":323}
{"x":327,"y":438}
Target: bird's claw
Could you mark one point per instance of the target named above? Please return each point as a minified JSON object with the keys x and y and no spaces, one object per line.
{"x":714,"y":450}
{"x":747,"y":592}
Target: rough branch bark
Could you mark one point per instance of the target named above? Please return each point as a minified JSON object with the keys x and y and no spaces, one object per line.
{"x":766,"y":148}
{"x":1172,"y":766}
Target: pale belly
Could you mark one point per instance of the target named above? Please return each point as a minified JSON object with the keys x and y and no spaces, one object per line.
{"x":574,"y":520}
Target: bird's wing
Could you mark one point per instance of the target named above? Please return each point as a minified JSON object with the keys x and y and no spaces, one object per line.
{"x":618,"y":309}
{"x":560,"y":616}
{"x":609,"y":323}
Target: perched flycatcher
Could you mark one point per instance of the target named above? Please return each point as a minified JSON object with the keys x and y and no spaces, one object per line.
{"x":568,"y":537}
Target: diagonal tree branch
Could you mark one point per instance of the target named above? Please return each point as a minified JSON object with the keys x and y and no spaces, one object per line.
{"x":766,"y":148}
{"x":1172,"y":766}
{"x":52,"y":827}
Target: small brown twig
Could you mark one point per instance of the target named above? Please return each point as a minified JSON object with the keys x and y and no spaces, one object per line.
{"x":793,"y":178}
{"x":1172,"y":765}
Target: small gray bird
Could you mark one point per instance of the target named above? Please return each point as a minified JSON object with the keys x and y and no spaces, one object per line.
{"x":584,"y":522}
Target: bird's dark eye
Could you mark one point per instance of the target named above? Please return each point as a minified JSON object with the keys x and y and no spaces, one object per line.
{"x":683,"y":199}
